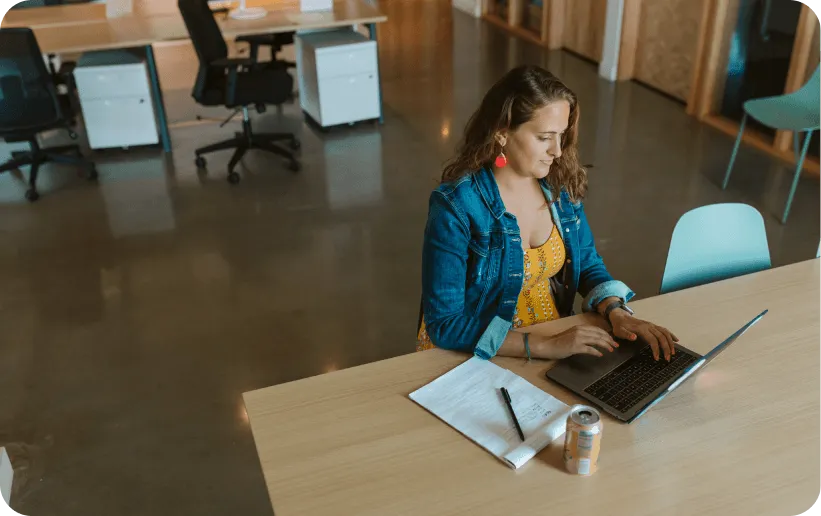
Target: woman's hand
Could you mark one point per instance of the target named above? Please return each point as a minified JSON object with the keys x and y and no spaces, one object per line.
{"x":625,"y":326}
{"x":582,"y":339}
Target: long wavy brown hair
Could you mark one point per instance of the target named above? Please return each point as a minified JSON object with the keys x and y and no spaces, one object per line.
{"x":511,"y":102}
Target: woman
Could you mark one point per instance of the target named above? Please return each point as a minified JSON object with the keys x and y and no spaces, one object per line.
{"x":507,"y":244}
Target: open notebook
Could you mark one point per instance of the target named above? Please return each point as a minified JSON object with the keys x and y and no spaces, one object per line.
{"x":468,"y":399}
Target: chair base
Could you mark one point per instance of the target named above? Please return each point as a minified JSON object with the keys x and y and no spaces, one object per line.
{"x":37,"y":156}
{"x":246,"y":140}
{"x":223,"y":121}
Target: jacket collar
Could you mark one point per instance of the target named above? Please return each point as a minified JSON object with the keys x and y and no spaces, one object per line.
{"x":489,"y":190}
{"x":548,"y":194}
{"x":546,"y":190}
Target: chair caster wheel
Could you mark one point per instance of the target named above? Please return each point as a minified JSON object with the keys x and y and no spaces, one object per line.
{"x":295,"y":144}
{"x":92,"y":173}
{"x":32,"y":195}
{"x":200,"y":162}
{"x":233,"y":178}
{"x":295,"y":166}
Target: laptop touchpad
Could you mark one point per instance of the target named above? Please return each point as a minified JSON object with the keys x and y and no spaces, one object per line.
{"x":582,"y":370}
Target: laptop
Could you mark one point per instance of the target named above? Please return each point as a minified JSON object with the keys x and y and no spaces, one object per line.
{"x":627,"y":382}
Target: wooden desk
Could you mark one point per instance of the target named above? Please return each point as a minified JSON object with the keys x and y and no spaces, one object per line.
{"x":84,"y":30}
{"x":54,"y":15}
{"x":78,"y":14}
{"x":742,"y":437}
{"x":135,"y":31}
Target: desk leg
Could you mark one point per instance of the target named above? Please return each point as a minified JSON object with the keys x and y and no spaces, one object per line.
{"x":372,"y":30}
{"x":156,"y":95}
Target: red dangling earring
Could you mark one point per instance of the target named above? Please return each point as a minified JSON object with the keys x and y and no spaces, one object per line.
{"x":501,"y":160}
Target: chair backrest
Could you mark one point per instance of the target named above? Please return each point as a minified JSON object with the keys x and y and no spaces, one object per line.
{"x":203,"y":29}
{"x":809,"y":95}
{"x":713,"y":243}
{"x":208,"y":43}
{"x":28,"y":97}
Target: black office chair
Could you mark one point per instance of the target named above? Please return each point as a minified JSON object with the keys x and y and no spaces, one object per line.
{"x":29,"y":105}
{"x":255,"y":41}
{"x":235,"y":82}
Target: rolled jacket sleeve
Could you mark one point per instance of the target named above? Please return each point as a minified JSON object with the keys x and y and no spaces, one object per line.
{"x":602,"y":291}
{"x":492,"y":339}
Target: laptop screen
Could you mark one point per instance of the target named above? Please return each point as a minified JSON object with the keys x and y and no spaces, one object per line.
{"x":718,"y":349}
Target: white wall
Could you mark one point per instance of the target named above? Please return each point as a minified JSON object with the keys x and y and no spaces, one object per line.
{"x":609,"y":64}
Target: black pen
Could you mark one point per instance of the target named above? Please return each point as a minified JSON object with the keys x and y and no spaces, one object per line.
{"x":509,"y":403}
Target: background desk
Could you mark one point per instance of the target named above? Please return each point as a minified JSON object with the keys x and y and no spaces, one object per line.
{"x":151,"y":24}
{"x":78,"y":14}
{"x":742,"y":437}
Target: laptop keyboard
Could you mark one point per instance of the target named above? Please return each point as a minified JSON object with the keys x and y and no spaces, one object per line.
{"x":631,"y":382}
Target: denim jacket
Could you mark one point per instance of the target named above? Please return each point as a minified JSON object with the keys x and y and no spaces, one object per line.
{"x":473,"y":264}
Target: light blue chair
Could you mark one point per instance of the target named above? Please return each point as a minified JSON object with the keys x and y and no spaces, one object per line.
{"x":797,"y":112}
{"x":713,"y":243}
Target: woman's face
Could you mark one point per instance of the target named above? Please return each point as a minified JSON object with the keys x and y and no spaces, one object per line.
{"x":534,"y":145}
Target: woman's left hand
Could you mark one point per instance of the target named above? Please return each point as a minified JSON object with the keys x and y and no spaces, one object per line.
{"x":625,"y":326}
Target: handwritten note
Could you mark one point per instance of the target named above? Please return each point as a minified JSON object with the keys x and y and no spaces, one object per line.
{"x":468,"y":399}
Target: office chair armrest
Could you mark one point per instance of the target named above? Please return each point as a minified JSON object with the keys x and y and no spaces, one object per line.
{"x":231,"y":85}
{"x":233,"y":62}
{"x":258,"y":40}
{"x":232,"y":65}
{"x":67,"y":68}
{"x":276,"y":41}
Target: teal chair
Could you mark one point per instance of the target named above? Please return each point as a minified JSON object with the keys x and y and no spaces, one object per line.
{"x":713,"y":243}
{"x":797,"y":112}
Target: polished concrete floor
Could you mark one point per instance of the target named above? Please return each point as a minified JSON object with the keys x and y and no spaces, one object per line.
{"x":135,"y":312}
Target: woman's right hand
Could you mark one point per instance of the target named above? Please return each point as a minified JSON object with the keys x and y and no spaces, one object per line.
{"x":583,"y":339}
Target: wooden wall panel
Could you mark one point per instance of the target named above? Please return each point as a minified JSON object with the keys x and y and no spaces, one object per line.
{"x":815,"y":49}
{"x":719,"y":18}
{"x":554,"y":24}
{"x":584,"y":27}
{"x":629,"y":39}
{"x":668,"y":34}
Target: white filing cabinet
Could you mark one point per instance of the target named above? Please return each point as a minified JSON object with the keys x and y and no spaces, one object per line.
{"x":116,"y":99}
{"x":338,"y":77}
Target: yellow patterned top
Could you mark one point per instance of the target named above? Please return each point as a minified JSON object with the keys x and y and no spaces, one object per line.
{"x":535,"y":304}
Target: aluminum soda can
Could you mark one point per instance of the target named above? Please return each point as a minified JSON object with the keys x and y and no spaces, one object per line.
{"x":582,"y":441}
